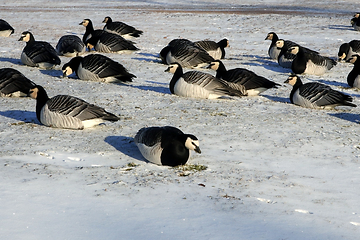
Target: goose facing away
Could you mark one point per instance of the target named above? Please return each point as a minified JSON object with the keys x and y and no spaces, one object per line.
{"x":316,"y":95}
{"x":70,"y":46}
{"x":14,"y":84}
{"x":186,"y":53}
{"x":120,"y":28}
{"x":346,"y":50}
{"x":97,"y":67}
{"x":64,"y":111}
{"x":196,"y":84}
{"x":310,"y":62}
{"x":353,"y":77}
{"x":38,"y":53}
{"x":253,"y":83}
{"x":166,"y":145}
{"x":5,"y":28}
{"x":214,"y":49}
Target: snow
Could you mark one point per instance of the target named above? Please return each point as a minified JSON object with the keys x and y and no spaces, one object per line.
{"x":274,"y":170}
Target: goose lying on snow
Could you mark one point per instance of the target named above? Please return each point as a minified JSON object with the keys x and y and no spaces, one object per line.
{"x":253,"y":83}
{"x":316,"y":95}
{"x":38,"y":53}
{"x":196,"y":84}
{"x":310,"y":62}
{"x":166,"y":145}
{"x":97,"y":67}
{"x":103,"y":41}
{"x":120,"y":28}
{"x":64,"y":111}
{"x":186,"y":53}
{"x":70,"y":46}
{"x":14,"y":84}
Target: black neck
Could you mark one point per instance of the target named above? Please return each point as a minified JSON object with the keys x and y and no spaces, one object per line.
{"x":178,"y":74}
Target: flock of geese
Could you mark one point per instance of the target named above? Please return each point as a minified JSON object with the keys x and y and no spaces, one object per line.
{"x":167,"y":145}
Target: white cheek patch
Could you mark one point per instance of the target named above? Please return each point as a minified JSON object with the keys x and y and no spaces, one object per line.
{"x":191,"y":144}
{"x":68,"y":71}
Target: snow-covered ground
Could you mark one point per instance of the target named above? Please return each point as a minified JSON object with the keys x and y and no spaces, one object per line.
{"x":274,"y":170}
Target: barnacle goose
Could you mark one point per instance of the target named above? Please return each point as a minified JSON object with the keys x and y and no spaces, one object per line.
{"x":13,"y":83}
{"x":186,"y":53}
{"x":285,"y":58}
{"x":5,"y":29}
{"x":274,"y":49}
{"x":120,"y":28}
{"x":253,"y":83}
{"x":353,"y":77}
{"x":346,"y":50}
{"x":97,"y":67}
{"x":64,"y":111}
{"x":355,"y":22}
{"x":309,"y":62}
{"x":316,"y":95}
{"x":214,"y":49}
{"x":167,"y":145}
{"x":103,"y":41}
{"x":70,"y":46}
{"x":196,"y":84}
{"x":38,"y":53}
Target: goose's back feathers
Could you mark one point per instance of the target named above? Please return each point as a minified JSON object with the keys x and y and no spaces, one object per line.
{"x":214,"y":49}
{"x":70,"y":46}
{"x":13,"y":83}
{"x":186,"y":53}
{"x":120,"y":28}
{"x":5,"y":28}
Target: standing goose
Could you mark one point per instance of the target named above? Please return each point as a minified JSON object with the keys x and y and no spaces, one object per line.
{"x":121,"y":29}
{"x":167,"y":145}
{"x":316,"y":95}
{"x":97,"y":67}
{"x":103,"y":41}
{"x":310,"y":62}
{"x":346,"y":50}
{"x":38,"y":53}
{"x":186,"y":53}
{"x":353,"y":77}
{"x":214,"y":49}
{"x":13,"y":83}
{"x":195,"y":84}
{"x":64,"y":111}
{"x":70,"y":46}
{"x":253,"y":83}
{"x":5,"y":29}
